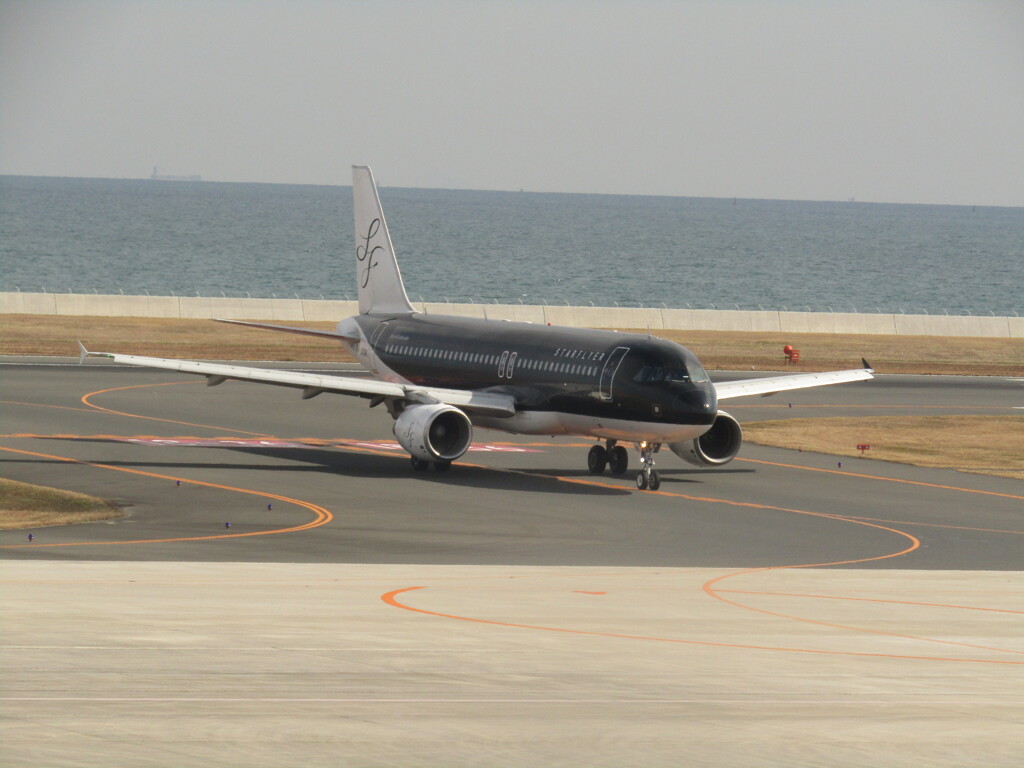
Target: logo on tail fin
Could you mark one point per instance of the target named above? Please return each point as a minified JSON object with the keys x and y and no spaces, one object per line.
{"x":366,"y":255}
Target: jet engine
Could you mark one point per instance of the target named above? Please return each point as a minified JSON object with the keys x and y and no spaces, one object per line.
{"x":719,"y":445}
{"x":435,"y":432}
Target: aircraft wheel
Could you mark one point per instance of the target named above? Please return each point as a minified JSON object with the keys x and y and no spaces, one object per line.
{"x":618,"y":460}
{"x":641,"y":481}
{"x":442,"y":466}
{"x":420,"y":465}
{"x":654,"y":483}
{"x":597,"y":460}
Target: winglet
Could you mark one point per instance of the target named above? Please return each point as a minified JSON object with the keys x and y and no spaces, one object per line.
{"x":867,"y":365}
{"x":84,"y":353}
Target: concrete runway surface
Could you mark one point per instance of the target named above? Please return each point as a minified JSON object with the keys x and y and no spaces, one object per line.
{"x":514,"y":611}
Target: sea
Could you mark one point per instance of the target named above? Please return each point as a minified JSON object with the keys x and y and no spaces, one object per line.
{"x":279,"y":240}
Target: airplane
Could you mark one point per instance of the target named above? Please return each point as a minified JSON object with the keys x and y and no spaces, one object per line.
{"x":440,"y":376}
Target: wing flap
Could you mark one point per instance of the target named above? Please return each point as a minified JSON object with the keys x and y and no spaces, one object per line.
{"x":767,"y":386}
{"x":491,"y":403}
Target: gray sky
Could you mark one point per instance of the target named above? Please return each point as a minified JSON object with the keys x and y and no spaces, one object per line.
{"x":816,"y":99}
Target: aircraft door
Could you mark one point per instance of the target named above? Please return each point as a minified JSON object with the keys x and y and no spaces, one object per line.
{"x":608,"y":372}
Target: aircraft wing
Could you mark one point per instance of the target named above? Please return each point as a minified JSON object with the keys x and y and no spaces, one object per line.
{"x":312,"y":384}
{"x":773,"y":384}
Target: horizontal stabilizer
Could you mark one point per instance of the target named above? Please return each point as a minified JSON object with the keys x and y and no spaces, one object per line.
{"x":291,"y":329}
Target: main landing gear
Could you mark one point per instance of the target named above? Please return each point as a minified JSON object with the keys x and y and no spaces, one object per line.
{"x":615,"y":458}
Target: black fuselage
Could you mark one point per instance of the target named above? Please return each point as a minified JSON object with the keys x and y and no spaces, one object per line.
{"x":603,"y":375}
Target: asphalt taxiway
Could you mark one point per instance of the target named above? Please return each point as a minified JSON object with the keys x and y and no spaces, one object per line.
{"x":515,"y":610}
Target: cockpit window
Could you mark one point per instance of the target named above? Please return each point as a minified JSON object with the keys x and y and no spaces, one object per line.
{"x":690,"y":372}
{"x":650,"y":374}
{"x":697,"y":374}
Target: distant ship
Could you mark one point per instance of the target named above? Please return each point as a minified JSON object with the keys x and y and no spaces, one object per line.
{"x":156,"y":176}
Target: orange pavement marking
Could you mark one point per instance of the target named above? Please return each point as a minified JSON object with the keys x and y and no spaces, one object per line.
{"x":45,"y":405}
{"x":391,"y":598}
{"x":323,"y":516}
{"x":85,"y":400}
{"x":871,"y":600}
{"x":936,"y":525}
{"x":708,"y":586}
{"x":915,"y":543}
{"x":803,"y":467}
{"x":878,"y":477}
{"x":716,"y":594}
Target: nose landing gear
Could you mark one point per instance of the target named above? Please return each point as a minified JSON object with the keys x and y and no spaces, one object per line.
{"x":647,"y":478}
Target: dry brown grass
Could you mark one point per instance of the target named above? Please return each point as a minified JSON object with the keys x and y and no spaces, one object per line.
{"x":991,"y":445}
{"x":203,"y":339}
{"x":32,"y":506}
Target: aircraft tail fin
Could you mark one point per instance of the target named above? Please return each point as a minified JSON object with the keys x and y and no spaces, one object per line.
{"x":380,"y":282}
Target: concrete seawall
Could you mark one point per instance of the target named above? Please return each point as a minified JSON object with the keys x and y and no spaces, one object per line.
{"x":290,"y":310}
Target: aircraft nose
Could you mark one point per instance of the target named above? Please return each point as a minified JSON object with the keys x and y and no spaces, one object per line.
{"x":700,"y":402}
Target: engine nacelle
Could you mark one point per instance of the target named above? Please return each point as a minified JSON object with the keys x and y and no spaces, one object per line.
{"x":434,"y":432}
{"x":719,"y":445}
